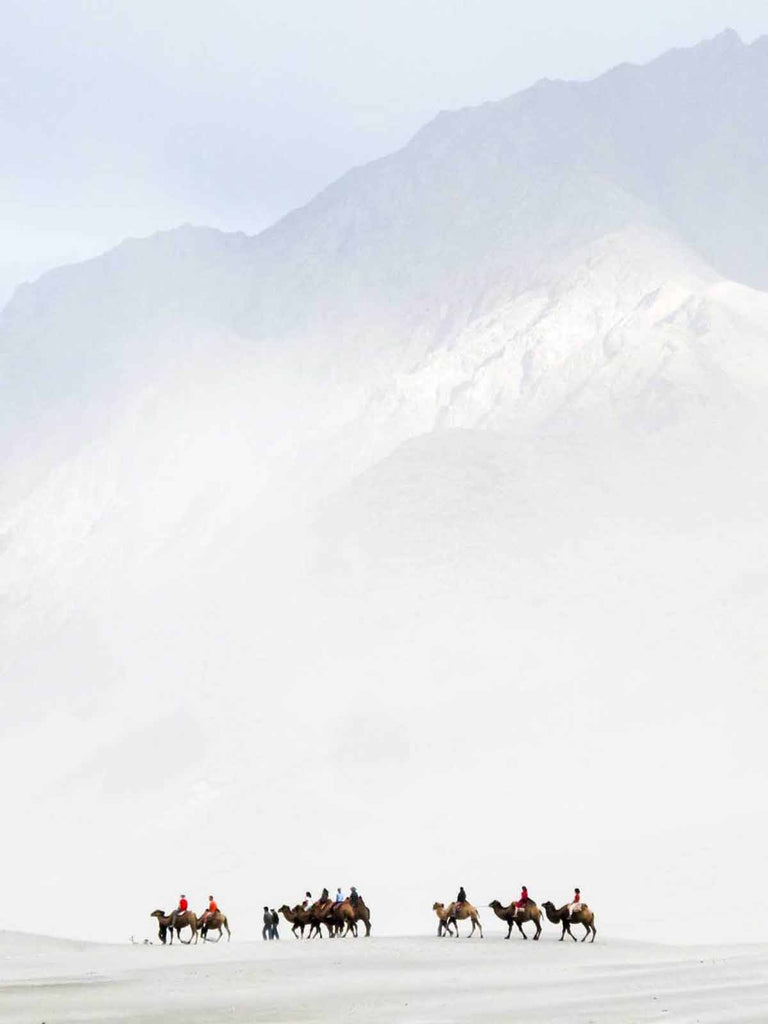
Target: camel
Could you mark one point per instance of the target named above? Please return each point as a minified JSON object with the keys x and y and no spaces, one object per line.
{"x":186,"y":920}
{"x":362,"y":913}
{"x":515,"y":915}
{"x":459,"y":912}
{"x":564,"y":917}
{"x":214,"y":924}
{"x":298,"y":918}
{"x":445,"y":921}
{"x":320,"y":914}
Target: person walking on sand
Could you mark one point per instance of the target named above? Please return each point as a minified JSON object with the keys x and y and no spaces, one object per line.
{"x":275,"y":922}
{"x":266,"y":931}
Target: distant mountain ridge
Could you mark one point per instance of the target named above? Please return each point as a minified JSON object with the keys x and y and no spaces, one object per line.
{"x":398,"y":257}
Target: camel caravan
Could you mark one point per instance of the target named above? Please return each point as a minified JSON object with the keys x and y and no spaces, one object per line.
{"x":518,"y":913}
{"x":340,"y":916}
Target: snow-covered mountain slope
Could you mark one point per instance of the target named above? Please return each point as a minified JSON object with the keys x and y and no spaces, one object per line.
{"x":464,"y":458}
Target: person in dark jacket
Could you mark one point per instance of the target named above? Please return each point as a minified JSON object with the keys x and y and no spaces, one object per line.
{"x":275,"y":923}
{"x":462,"y":897}
{"x":266,"y":931}
{"x":354,"y":896}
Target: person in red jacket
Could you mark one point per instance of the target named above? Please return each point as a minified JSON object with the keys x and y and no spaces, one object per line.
{"x":575,"y":904}
{"x":525,"y":899}
{"x":182,"y":908}
{"x":212,"y":909}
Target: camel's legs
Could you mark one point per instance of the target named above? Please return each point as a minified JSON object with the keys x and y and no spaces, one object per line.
{"x":509,"y":930}
{"x":538,"y":930}
{"x":520,"y":929}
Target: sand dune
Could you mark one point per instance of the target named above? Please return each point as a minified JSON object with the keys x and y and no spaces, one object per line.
{"x":417,"y":980}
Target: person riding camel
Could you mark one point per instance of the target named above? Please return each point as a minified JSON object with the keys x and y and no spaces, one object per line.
{"x":182,"y":908}
{"x":462,"y":897}
{"x":575,"y":904}
{"x":338,"y":898}
{"x":307,"y":901}
{"x":353,"y":896}
{"x":525,"y":899}
{"x":211,"y":911}
{"x":325,"y":896}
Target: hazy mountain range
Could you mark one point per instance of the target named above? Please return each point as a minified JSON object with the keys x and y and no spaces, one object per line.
{"x":471,"y":443}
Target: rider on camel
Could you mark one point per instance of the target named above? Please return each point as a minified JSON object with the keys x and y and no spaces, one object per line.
{"x":182,"y":908}
{"x":462,"y":897}
{"x":211,"y":911}
{"x":525,"y":899}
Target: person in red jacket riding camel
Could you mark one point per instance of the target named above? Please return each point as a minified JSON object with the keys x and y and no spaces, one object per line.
{"x":182,"y":908}
{"x":575,"y":905}
{"x":525,"y":899}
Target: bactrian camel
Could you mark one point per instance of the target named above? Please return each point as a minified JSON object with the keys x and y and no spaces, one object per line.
{"x":515,"y":915}
{"x":563,"y":915}
{"x":460,"y":912}
{"x":186,"y":920}
{"x":214,"y":923}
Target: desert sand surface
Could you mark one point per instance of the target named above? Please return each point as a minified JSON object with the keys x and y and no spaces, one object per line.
{"x":418,"y":980}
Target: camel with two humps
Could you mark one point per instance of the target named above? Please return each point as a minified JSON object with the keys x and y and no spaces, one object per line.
{"x":456,"y":912}
{"x":214,"y":923}
{"x":566,"y":917}
{"x":168,"y":922}
{"x":515,"y":915}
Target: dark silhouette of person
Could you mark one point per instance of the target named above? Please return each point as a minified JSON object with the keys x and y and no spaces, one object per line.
{"x":275,"y":923}
{"x":462,"y":897}
{"x":266,"y":931}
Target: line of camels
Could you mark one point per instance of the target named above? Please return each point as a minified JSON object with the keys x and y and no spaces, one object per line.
{"x":449,"y":916}
{"x":340,"y":919}
{"x":167,"y":924}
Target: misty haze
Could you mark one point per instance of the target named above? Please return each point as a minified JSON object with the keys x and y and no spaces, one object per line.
{"x":415,"y":541}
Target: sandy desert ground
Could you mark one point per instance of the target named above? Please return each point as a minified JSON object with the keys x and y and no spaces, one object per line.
{"x":417,"y":980}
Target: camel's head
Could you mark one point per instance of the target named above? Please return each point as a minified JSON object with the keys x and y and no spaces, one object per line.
{"x":494,"y":904}
{"x":438,"y":907}
{"x":284,"y":908}
{"x":157,"y":913}
{"x":548,"y":905}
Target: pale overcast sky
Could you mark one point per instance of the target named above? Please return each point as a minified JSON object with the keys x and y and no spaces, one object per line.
{"x":124,"y":117}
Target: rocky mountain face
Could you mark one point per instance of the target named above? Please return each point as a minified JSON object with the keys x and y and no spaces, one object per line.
{"x":472,"y":440}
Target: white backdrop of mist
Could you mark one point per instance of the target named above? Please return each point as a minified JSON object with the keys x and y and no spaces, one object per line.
{"x":390,"y":549}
